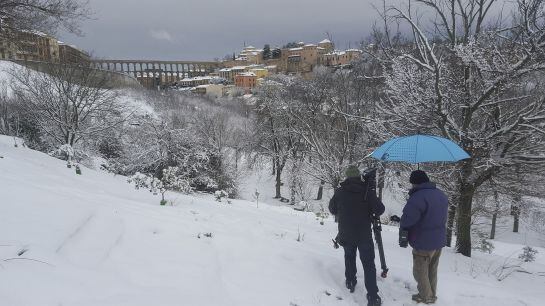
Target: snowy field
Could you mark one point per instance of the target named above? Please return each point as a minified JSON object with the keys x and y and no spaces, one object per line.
{"x":95,"y":240}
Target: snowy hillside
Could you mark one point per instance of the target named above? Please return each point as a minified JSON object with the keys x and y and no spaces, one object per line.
{"x":133,"y":99}
{"x":93,"y":239}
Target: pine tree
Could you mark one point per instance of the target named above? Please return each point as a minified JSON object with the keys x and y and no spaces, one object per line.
{"x":276,"y":53}
{"x":267,"y":52}
{"x":291,"y":45}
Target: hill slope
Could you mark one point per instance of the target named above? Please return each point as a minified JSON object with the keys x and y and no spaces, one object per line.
{"x":95,"y":240}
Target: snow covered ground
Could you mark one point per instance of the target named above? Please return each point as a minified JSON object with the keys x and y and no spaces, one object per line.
{"x":95,"y":240}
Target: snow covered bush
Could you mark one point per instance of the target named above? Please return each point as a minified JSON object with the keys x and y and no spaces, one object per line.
{"x":173,"y":180}
{"x":322,"y":214}
{"x":220,"y":194}
{"x":170,"y":180}
{"x":64,"y":152}
{"x":153,"y":184}
{"x":484,"y":245}
{"x":528,"y":254}
{"x":154,"y":145}
{"x":139,"y":180}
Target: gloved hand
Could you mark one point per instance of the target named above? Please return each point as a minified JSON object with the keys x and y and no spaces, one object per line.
{"x":403,"y":238}
{"x":395,"y":219}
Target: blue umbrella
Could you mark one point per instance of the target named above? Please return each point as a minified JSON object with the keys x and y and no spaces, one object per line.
{"x":420,"y":149}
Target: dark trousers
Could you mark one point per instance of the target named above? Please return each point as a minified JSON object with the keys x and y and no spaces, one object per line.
{"x":367,"y":257}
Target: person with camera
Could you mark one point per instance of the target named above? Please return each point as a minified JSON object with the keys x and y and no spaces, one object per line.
{"x":423,"y":227}
{"x":353,"y":204}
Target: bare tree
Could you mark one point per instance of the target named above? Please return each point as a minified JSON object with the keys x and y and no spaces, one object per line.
{"x":9,"y":114}
{"x":471,"y":81}
{"x":331,"y":115}
{"x":273,"y":128}
{"x":69,"y":104}
{"x":42,"y":15}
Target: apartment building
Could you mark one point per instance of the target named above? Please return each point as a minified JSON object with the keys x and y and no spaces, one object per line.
{"x":71,"y":54}
{"x":327,"y":45}
{"x":301,"y":59}
{"x":195,"y":81}
{"x":259,"y":72}
{"x":211,"y":90}
{"x":251,"y":55}
{"x":339,"y":58}
{"x":38,"y":46}
{"x":29,"y":46}
{"x":230,"y":73}
{"x":153,"y":78}
{"x":246,"y":80}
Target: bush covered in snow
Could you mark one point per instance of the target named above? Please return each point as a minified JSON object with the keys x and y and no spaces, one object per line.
{"x":172,"y":179}
{"x":220,"y":194}
{"x":528,"y":254}
{"x":189,"y":145}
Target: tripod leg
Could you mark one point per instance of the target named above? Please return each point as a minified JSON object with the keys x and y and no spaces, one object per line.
{"x":378,"y":239}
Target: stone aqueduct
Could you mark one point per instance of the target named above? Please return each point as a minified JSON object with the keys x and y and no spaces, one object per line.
{"x":152,"y":73}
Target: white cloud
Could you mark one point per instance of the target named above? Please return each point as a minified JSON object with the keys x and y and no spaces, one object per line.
{"x":161,"y":35}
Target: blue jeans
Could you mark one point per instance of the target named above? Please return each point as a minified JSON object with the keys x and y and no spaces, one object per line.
{"x":367,"y":257}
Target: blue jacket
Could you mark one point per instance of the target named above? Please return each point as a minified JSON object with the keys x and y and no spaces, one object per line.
{"x":425,"y":217}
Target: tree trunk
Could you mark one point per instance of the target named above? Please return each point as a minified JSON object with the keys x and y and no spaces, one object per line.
{"x":278,"y":181}
{"x":495,"y":215}
{"x":320,"y":191}
{"x":516,"y":222}
{"x":293,"y":183}
{"x":515,"y":211}
{"x":236,"y":160}
{"x":493,"y":230}
{"x":463,"y":224}
{"x":273,"y":165}
{"x":450,"y":223}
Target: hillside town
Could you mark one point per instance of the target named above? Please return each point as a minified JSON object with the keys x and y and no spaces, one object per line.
{"x":242,"y":73}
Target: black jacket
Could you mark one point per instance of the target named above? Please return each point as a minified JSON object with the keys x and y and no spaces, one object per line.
{"x":353,"y":210}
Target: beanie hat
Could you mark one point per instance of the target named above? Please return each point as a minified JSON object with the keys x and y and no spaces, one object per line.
{"x":419,"y":177}
{"x":352,"y":171}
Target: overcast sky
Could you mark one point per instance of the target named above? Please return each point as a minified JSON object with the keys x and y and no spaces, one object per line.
{"x":206,"y":29}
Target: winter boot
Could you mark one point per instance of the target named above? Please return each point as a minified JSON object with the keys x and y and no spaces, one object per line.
{"x":351,"y":285}
{"x":374,"y":300}
{"x":417,"y":298}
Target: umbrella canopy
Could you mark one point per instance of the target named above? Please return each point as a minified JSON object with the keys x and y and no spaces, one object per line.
{"x":420,"y":149}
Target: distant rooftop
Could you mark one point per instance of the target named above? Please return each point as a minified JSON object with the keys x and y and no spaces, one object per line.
{"x":199,"y":78}
{"x":249,"y":74}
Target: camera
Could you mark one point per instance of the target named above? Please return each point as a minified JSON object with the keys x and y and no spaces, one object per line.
{"x":369,"y":177}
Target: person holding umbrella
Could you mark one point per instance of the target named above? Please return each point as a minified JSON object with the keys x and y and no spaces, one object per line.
{"x":423,"y":226}
{"x":423,"y":223}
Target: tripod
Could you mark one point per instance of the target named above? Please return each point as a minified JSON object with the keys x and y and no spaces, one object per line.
{"x":370,"y":178}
